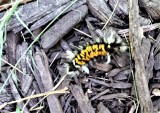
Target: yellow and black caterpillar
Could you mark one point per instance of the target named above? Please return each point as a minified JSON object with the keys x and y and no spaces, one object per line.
{"x":99,"y":49}
{"x":90,"y":52}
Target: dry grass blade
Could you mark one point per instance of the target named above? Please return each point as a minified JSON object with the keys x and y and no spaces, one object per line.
{"x":54,"y":59}
{"x":62,"y":91}
{"x":55,"y":87}
{"x":3,"y":23}
{"x":35,"y":40}
{"x":13,"y":66}
{"x":111,"y":15}
{"x":6,"y":6}
{"x":83,"y":33}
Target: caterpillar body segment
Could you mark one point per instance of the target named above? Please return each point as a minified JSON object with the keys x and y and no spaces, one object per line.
{"x":90,"y":52}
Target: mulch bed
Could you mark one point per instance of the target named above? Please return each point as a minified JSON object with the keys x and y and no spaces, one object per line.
{"x":35,"y":73}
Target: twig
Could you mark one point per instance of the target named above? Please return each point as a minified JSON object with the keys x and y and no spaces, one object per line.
{"x":35,"y":96}
{"x":135,"y":38}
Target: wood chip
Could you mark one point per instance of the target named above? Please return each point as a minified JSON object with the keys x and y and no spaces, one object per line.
{"x":17,"y":96}
{"x":112,"y":96}
{"x":102,"y":67}
{"x":100,"y":94}
{"x":102,"y":108}
{"x":122,"y":75}
{"x":146,"y":46}
{"x":100,"y":9}
{"x":157,"y":62}
{"x":152,"y":8}
{"x":135,"y":38}
{"x":82,"y":99}
{"x":56,"y":32}
{"x":121,"y":85}
{"x":42,"y":65}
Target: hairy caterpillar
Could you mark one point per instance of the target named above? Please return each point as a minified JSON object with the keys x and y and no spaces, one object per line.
{"x":90,"y":52}
{"x":99,"y":49}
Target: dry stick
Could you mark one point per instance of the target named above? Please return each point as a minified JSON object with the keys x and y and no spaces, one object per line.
{"x":35,"y":96}
{"x":27,"y":102}
{"x":41,"y":94}
{"x":140,"y":73}
{"x":83,"y":33}
{"x":146,"y":28}
{"x":54,"y":88}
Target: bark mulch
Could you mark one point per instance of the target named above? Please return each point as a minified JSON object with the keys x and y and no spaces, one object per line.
{"x":43,"y":82}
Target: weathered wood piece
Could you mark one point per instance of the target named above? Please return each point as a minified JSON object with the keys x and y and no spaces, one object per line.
{"x":121,"y":9}
{"x":17,"y":96}
{"x":118,"y":85}
{"x":146,"y":28}
{"x":67,"y":104}
{"x":100,"y":94}
{"x":56,"y":2}
{"x":157,"y":45}
{"x":24,"y":65}
{"x":112,"y":96}
{"x":157,"y":62}
{"x":100,"y":9}
{"x":116,"y":71}
{"x":102,"y":67}
{"x":63,"y":26}
{"x":38,"y":15}
{"x":102,"y":108}
{"x":152,"y":7}
{"x":42,"y":65}
{"x":146,"y":47}
{"x":136,"y":49}
{"x":82,"y":99}
{"x":150,"y":64}
{"x":12,"y":42}
{"x":123,"y":75}
{"x":6,"y":95}
{"x":122,"y":60}
{"x":54,"y":12}
{"x":38,"y":79}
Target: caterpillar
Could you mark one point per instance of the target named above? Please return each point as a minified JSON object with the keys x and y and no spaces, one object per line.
{"x":90,"y":52}
{"x":99,"y":49}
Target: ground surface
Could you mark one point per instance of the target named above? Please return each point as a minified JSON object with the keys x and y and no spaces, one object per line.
{"x":37,"y":74}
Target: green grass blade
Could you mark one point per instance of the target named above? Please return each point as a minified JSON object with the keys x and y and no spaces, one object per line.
{"x":23,"y":24}
{"x":35,"y":40}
